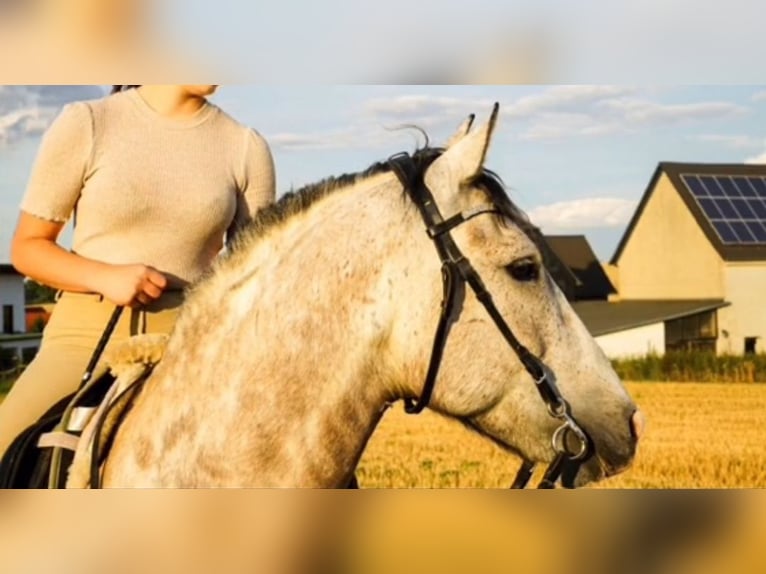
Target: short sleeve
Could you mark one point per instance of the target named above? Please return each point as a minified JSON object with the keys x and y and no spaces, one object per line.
{"x":258,"y":186}
{"x":59,"y":169}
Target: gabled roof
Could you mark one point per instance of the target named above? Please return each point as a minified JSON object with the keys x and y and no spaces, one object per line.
{"x":673,"y":170}
{"x":576,"y":253}
{"x":604,"y":317}
{"x":559,"y":271}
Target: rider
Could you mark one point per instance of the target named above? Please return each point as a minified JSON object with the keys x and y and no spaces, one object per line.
{"x":156,"y":178}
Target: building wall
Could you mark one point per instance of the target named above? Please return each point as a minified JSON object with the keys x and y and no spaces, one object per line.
{"x":634,"y":342}
{"x":668,"y":256}
{"x":613,"y":273}
{"x":12,"y":293}
{"x":746,"y":317}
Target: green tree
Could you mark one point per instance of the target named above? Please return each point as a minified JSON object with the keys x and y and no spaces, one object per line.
{"x":34,"y":293}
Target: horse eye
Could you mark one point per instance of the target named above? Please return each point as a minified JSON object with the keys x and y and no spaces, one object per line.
{"x":524,"y":270}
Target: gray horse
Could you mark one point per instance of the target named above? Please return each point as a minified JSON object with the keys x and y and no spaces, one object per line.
{"x":286,"y":354}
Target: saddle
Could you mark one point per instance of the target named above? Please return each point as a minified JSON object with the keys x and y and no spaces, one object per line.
{"x":67,"y":446}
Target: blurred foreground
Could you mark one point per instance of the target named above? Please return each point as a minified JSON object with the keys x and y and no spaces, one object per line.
{"x":232,"y":532}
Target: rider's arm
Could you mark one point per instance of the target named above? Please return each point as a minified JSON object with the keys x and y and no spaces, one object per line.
{"x":258,"y":185}
{"x":54,"y":187}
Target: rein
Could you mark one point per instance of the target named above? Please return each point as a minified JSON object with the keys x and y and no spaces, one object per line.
{"x":457,"y":271}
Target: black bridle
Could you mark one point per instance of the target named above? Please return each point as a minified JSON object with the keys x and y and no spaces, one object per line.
{"x":457,"y":271}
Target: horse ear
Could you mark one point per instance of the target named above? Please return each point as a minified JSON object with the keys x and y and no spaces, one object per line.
{"x":463,"y":160}
{"x":462,"y":131}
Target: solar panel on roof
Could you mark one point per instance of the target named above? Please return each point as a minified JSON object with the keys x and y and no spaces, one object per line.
{"x":734,"y":205}
{"x":759,"y":185}
{"x":696,"y":187}
{"x":758,"y":230}
{"x":744,"y":187}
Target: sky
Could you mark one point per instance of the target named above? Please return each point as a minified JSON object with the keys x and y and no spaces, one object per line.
{"x":576,"y":158}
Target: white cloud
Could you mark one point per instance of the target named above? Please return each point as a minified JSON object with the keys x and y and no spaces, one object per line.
{"x":310,"y":141}
{"x":427,"y":110}
{"x":583,"y":213}
{"x":555,"y":113}
{"x":553,"y":126}
{"x":638,"y":111}
{"x":365,"y":136}
{"x":421,"y":106}
{"x":554,"y":98}
{"x":377,"y":118}
{"x":730,"y":140}
{"x":28,"y":110}
{"x":757,"y":159}
{"x":759,"y":96}
{"x":565,"y":99}
{"x":623,"y":115}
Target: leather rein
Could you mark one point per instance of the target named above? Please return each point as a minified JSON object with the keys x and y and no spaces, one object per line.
{"x":457,"y":271}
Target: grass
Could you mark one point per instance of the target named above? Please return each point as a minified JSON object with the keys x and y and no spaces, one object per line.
{"x":698,"y":436}
{"x":696,"y":366}
{"x":707,"y":435}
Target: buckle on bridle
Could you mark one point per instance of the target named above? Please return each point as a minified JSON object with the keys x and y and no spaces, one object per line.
{"x":559,"y":442}
{"x":561,"y":410}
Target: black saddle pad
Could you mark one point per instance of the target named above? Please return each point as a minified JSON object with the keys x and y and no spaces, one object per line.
{"x":24,"y":464}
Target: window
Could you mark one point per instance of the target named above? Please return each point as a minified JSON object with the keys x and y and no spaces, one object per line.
{"x":695,"y":332}
{"x":7,"y":319}
{"x":750,"y":345}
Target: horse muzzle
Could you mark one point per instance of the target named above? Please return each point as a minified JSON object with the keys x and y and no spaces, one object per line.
{"x":616,"y":453}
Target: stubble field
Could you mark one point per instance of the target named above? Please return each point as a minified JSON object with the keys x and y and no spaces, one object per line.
{"x":698,"y":436}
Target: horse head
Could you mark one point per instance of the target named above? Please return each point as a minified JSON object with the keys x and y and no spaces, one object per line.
{"x":493,"y":367}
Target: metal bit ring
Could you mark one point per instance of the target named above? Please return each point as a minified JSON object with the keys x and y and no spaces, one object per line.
{"x":558,"y":440}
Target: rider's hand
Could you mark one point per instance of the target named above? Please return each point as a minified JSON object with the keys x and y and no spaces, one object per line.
{"x":131,"y":285}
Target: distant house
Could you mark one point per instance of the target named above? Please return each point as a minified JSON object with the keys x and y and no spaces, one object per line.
{"x":590,"y":279}
{"x":697,"y":242}
{"x":13,"y":332}
{"x":11,"y":301}
{"x":623,"y":327}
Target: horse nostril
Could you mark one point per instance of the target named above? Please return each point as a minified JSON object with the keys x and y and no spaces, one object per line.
{"x":637,"y":424}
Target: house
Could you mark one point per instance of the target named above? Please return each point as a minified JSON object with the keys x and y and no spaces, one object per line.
{"x":698,"y":240}
{"x":590,"y":280}
{"x":11,"y":300}
{"x":13,"y":329}
{"x":622,"y":327}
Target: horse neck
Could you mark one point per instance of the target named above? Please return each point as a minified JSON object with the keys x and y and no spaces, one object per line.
{"x":312,"y":307}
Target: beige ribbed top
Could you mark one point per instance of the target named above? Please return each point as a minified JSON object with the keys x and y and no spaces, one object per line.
{"x":149,"y":189}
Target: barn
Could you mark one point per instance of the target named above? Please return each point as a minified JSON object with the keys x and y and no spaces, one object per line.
{"x":689,"y":271}
{"x":621,"y":327}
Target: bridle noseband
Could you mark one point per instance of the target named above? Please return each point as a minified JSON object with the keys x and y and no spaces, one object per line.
{"x":457,"y":271}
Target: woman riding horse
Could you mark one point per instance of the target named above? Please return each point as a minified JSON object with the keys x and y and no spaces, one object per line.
{"x":157,"y":179}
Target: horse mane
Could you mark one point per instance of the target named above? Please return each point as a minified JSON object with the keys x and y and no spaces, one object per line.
{"x":298,"y":201}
